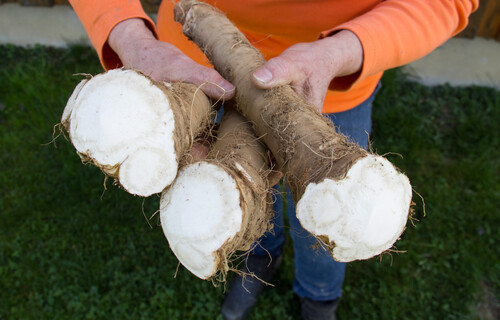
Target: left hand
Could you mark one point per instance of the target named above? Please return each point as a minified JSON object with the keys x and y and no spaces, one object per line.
{"x":310,"y":67}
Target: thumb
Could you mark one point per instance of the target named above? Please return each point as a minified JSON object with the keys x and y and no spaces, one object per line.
{"x":211,"y":82}
{"x":273,"y":73}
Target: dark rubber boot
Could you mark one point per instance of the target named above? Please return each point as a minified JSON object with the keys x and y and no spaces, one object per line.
{"x":318,"y":310}
{"x":244,"y":291}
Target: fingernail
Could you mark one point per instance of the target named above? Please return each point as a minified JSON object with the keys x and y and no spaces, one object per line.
{"x":228,"y":87}
{"x":263,"y":75}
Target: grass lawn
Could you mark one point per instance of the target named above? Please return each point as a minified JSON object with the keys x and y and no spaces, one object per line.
{"x":71,"y":249}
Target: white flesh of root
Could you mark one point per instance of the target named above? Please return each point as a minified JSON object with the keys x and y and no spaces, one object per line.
{"x":363,"y":214}
{"x":120,"y":119}
{"x":199,"y":213}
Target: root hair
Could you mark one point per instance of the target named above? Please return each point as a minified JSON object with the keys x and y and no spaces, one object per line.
{"x":57,"y":127}
{"x":144,"y":213}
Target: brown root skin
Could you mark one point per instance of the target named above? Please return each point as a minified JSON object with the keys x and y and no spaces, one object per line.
{"x":182,"y":8}
{"x":309,"y":149}
{"x":239,"y":153}
{"x":192,"y":113}
{"x":110,"y":171}
{"x":305,"y":144}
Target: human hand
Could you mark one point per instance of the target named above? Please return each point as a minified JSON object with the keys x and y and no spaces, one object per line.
{"x":310,"y":67}
{"x":138,"y":49}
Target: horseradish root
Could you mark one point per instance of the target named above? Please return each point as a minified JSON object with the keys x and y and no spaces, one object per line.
{"x":355,"y":202}
{"x":134,"y":129}
{"x":219,"y":205}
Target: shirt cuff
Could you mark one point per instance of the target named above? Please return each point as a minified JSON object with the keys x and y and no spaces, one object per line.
{"x":345,"y":83}
{"x":100,"y":24}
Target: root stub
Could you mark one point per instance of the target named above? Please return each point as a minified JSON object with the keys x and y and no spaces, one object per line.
{"x":128,"y":125}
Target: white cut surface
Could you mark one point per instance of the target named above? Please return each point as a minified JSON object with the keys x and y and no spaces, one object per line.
{"x":71,"y":101}
{"x":121,"y":118}
{"x":200,"y":212}
{"x":363,"y":214}
{"x":148,"y":168}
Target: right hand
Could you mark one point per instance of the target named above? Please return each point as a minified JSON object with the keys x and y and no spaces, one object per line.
{"x":138,"y":49}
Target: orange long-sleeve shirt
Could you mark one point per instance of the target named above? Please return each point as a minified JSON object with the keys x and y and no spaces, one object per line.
{"x":392,"y":32}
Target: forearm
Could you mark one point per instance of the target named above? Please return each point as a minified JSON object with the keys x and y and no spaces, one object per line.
{"x":127,"y":38}
{"x":100,"y":17}
{"x":397,"y":32}
{"x":343,"y":52}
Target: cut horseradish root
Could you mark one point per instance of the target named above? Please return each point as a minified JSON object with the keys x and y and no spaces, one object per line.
{"x":133,"y":128}
{"x":220,"y":205}
{"x":307,"y":148}
{"x":361,"y":215}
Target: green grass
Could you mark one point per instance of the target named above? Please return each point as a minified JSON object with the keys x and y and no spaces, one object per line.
{"x":71,"y":250}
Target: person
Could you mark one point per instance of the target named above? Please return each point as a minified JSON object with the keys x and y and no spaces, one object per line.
{"x":333,"y":53}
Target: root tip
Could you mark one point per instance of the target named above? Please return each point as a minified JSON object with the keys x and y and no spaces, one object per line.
{"x":181,"y":9}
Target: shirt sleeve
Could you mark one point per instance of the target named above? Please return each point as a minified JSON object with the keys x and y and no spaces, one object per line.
{"x":396,"y":32}
{"x":100,"y":17}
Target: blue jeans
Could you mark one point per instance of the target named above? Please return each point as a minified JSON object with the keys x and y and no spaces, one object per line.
{"x":317,"y":275}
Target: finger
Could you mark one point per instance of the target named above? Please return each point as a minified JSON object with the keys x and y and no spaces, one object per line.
{"x":199,"y":151}
{"x":317,"y":96}
{"x":211,"y":82}
{"x":318,"y":102}
{"x":275,"y":72}
{"x":274,"y":177}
